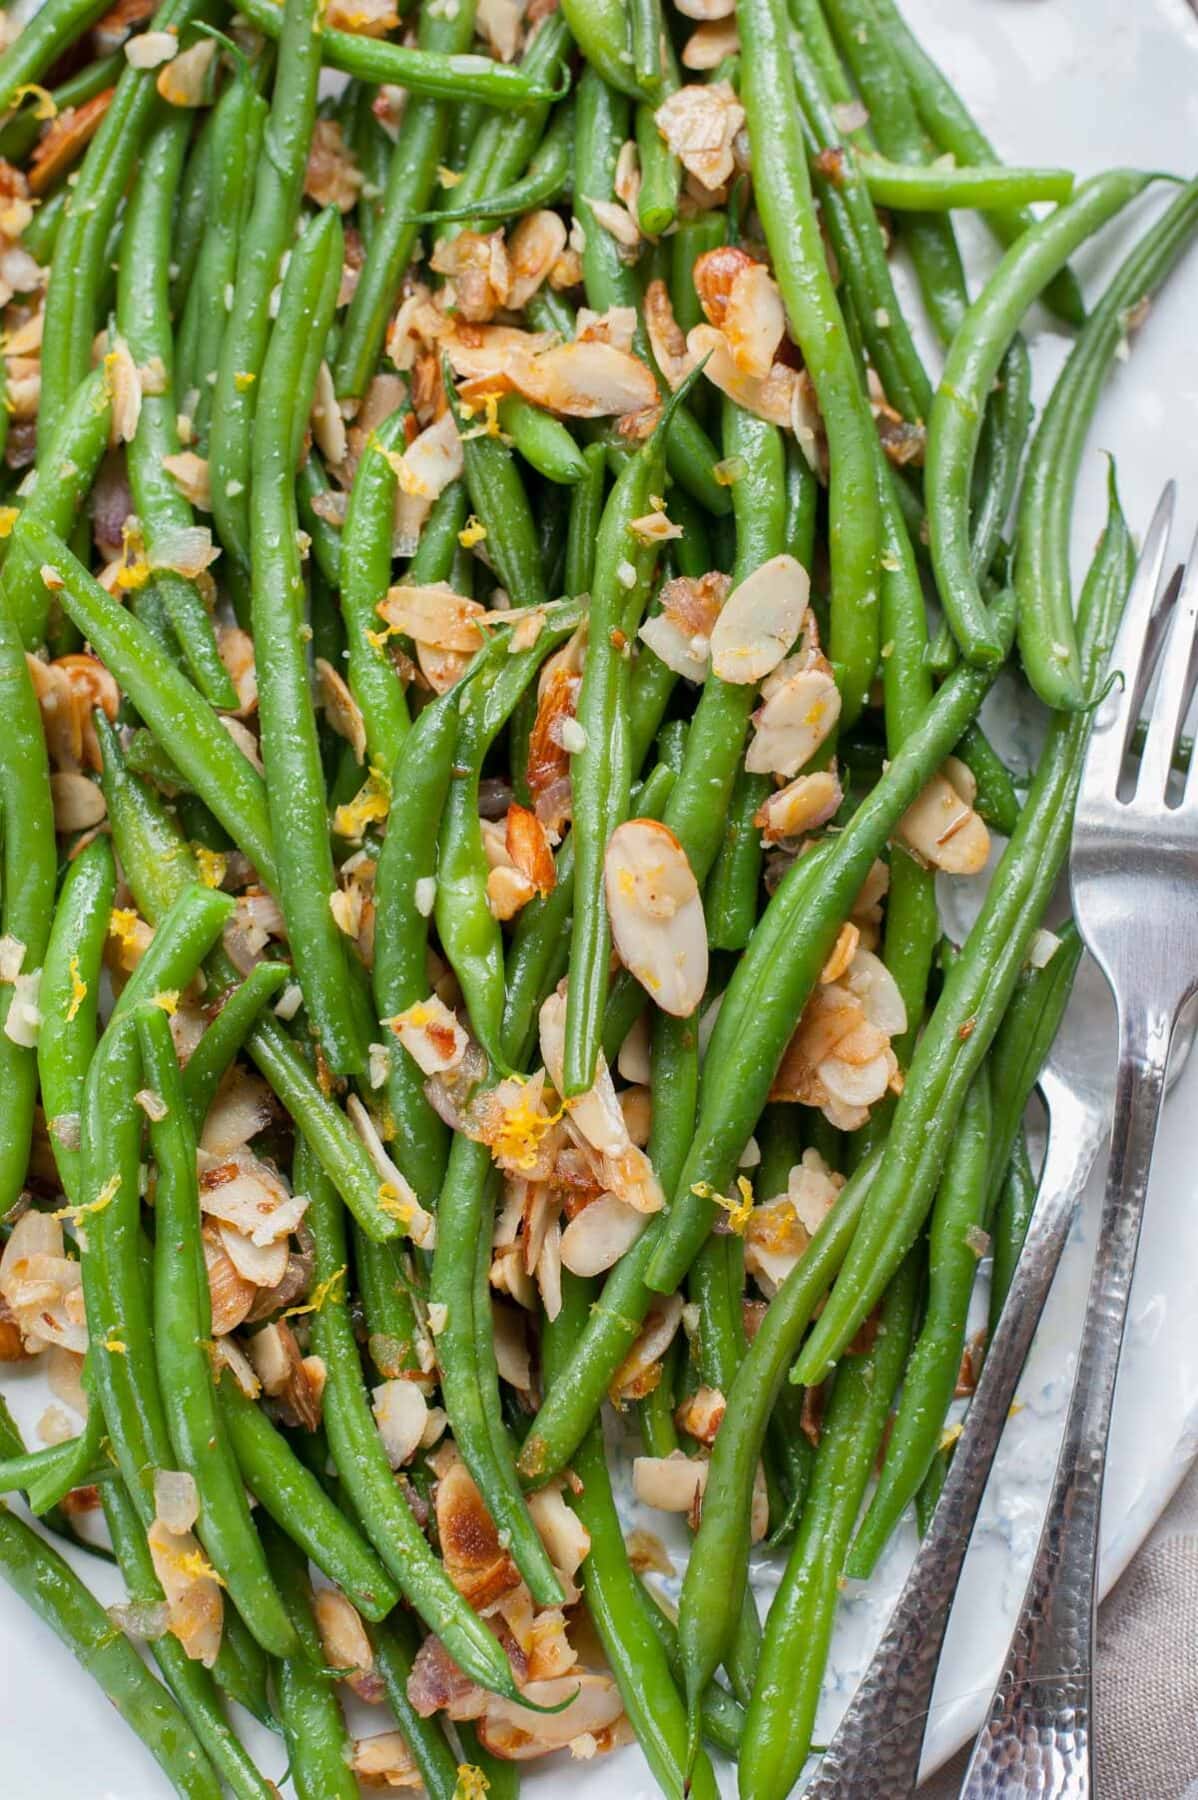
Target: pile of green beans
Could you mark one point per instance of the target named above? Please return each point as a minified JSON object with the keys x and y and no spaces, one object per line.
{"x":380,"y":578}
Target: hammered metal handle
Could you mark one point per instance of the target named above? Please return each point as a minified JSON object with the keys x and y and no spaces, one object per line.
{"x":1037,"y":1739}
{"x":876,"y":1751}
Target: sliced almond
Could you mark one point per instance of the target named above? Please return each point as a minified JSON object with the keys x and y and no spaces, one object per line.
{"x":793,"y":723}
{"x":760,"y":620}
{"x":944,"y":830}
{"x":401,"y":1414}
{"x":656,"y":914}
{"x":803,"y":805}
{"x":709,"y":45}
{"x":700,"y":123}
{"x":431,"y":1034}
{"x":598,"y":1236}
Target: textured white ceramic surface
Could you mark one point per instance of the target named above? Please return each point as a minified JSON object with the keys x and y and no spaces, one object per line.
{"x":1081,"y":83}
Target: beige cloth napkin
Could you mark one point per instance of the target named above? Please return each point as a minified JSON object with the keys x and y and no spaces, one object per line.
{"x":1147,"y":1676}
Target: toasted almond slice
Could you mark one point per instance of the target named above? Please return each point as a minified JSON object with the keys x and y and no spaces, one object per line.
{"x":150,"y":49}
{"x":633,"y":1061}
{"x":700,"y":123}
{"x":760,"y":620}
{"x":517,"y":1734}
{"x":78,"y":802}
{"x":533,"y":248}
{"x":871,"y":981}
{"x":262,"y":1264}
{"x":184,"y":80}
{"x":793,"y":723}
{"x":666,"y":337}
{"x":754,"y":320}
{"x":656,"y":914}
{"x":435,"y":615}
{"x":193,"y":1596}
{"x":772,"y":397}
{"x":328,"y":425}
{"x":528,"y":846}
{"x":857,"y":1084}
{"x":804,"y":805}
{"x":673,"y":1483}
{"x":401,"y":1414}
{"x":943,"y":829}
{"x":705,"y":10}
{"x":585,"y":379}
{"x":431,"y":1034}
{"x":340,"y":708}
{"x":231,"y":1295}
{"x":384,"y":1761}
{"x":598,"y":1236}
{"x":190,"y":474}
{"x":707,"y":47}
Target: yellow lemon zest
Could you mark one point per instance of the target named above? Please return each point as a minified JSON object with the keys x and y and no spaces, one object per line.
{"x":105,"y":1197}
{"x":8,"y":518}
{"x":46,"y":107}
{"x":244,"y":380}
{"x":370,"y":804}
{"x":521,"y":1129}
{"x":472,"y":1784}
{"x":212,"y":865}
{"x":473,"y":532}
{"x":134,"y":571}
{"x":320,"y":1295}
{"x":78,"y":989}
{"x":168,"y":1000}
{"x":391,"y":1203}
{"x":739,"y":1211}
{"x":117,"y":1347}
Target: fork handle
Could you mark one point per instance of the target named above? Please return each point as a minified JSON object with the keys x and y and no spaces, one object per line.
{"x":1037,"y":1739}
{"x":876,"y":1750}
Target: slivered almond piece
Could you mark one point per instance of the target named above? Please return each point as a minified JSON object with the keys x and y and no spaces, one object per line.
{"x":533,"y":248}
{"x":760,"y":620}
{"x":666,"y":337}
{"x":754,"y":320}
{"x":871,"y":981}
{"x":401,"y":1414}
{"x":340,"y":708}
{"x":598,"y":1236}
{"x":656,"y":914}
{"x":528,"y":847}
{"x":944,"y":830}
{"x":793,"y":723}
{"x":774,"y":397}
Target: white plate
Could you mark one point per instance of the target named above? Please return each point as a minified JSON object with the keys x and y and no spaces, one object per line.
{"x":1083,"y":84}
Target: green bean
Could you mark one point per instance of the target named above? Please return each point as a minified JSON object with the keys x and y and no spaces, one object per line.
{"x":1047,"y":638}
{"x":1013,"y":1210}
{"x":69,"y":467}
{"x":182,"y":1326}
{"x":29,"y":880}
{"x":931,"y":1374}
{"x":23,"y":127}
{"x":80,"y":261}
{"x":894,"y":122}
{"x":602,"y":124}
{"x":498,"y":497}
{"x":121,"y":1356}
{"x":1021,"y":1044}
{"x":848,"y":212}
{"x":781,"y":1715}
{"x":546,"y":179}
{"x":395,"y":1644}
{"x":601,"y":771}
{"x":543,"y":441}
{"x":68,"y":1000}
{"x":23,"y":1469}
{"x":177,"y":715}
{"x":977,"y":990}
{"x":143,"y":318}
{"x":954,"y":132}
{"x":618,"y":1605}
{"x":407,"y":865}
{"x":719,"y":1560}
{"x":661,"y":173}
{"x":226,"y":1034}
{"x":313,"y":1724}
{"x":278,"y":187}
{"x":366,"y":573}
{"x":41,"y":234}
{"x":470,"y":934}
{"x":295,"y":786}
{"x":692,"y":239}
{"x":294,"y":1498}
{"x":761,"y":1006}
{"x":46,"y":1583}
{"x":241,"y":1670}
{"x":411,"y":176}
{"x":459,"y":1284}
{"x":439,"y":74}
{"x":189,"y":1681}
{"x":40,"y":42}
{"x":602,"y":31}
{"x":941,"y":186}
{"x":973,"y":362}
{"x":358,"y":1452}
{"x":783,"y":195}
{"x":237,"y":125}
{"x":723,"y":1717}
{"x":1000,"y":455}
{"x":586,"y":511}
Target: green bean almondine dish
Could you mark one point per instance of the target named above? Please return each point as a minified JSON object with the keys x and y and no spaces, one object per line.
{"x":497,"y":596}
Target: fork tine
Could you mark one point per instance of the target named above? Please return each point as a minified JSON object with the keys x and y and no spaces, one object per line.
{"x":1116,"y":716}
{"x":1175,"y":689}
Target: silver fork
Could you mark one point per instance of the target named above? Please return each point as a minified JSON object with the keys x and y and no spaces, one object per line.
{"x":875,"y":1752}
{"x":1134,"y":879}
